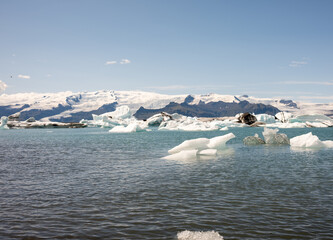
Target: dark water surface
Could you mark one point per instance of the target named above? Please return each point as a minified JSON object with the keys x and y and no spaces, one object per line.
{"x":90,"y":184}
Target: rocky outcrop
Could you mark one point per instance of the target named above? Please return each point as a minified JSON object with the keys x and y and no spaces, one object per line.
{"x":247,"y":118}
{"x":211,"y":109}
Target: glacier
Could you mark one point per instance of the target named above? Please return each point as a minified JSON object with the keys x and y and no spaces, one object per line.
{"x":66,"y":105}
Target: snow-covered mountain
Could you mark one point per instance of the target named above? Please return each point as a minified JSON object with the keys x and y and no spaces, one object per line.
{"x":69,"y":106}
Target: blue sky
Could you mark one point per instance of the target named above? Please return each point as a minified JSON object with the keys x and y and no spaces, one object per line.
{"x":261,"y":48}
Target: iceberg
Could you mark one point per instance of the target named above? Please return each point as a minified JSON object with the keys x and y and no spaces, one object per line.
{"x":121,"y":112}
{"x":220,"y":141}
{"x":199,"y":146}
{"x":198,"y":235}
{"x":272,"y":137}
{"x":3,"y":124}
{"x":309,"y":141}
{"x":224,"y":129}
{"x":253,"y":140}
{"x":283,"y":116}
{"x":132,"y":127}
{"x":121,"y":116}
{"x":183,"y":155}
{"x":208,"y":152}
{"x":266,"y":118}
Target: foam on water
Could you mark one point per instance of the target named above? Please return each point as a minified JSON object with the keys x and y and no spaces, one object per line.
{"x":198,"y":235}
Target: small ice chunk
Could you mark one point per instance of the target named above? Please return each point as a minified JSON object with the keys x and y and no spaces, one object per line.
{"x":220,"y":141}
{"x":4,"y":121}
{"x":310,"y":141}
{"x":133,"y":127}
{"x":208,"y":152}
{"x":253,"y":140}
{"x":197,"y":144}
{"x":183,"y":155}
{"x":272,"y":137}
{"x":224,"y":129}
{"x":197,"y":235}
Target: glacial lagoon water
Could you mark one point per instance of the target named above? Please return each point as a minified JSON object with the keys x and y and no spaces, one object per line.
{"x":91,"y":184}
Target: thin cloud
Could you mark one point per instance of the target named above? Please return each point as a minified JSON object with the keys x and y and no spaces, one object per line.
{"x":317,"y":97}
{"x":171,"y":87}
{"x":110,"y":62}
{"x":328,"y":83}
{"x":3,"y":86}
{"x":295,"y":64}
{"x":188,"y":87}
{"x":23,"y":76}
{"x":125,"y":61}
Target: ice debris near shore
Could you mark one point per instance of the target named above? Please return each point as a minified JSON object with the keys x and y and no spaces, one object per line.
{"x":310,"y":141}
{"x":13,"y":122}
{"x":190,"y":149}
{"x":198,"y":235}
{"x":122,"y":120}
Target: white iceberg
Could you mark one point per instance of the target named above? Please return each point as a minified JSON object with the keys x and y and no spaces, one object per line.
{"x":121,"y":112}
{"x":132,"y":127}
{"x":193,"y":144}
{"x":266,"y":118}
{"x":309,"y":141}
{"x":183,"y":155}
{"x":220,"y":141}
{"x":197,"y":235}
{"x":284,"y":116}
{"x":200,"y":146}
{"x":224,"y":129}
{"x":208,"y":152}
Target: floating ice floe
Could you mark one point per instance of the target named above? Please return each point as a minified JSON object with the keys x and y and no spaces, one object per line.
{"x":190,"y":149}
{"x":309,"y":141}
{"x":197,"y":235}
{"x":132,"y":127}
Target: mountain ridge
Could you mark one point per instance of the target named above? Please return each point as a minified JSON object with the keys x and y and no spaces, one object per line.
{"x":71,"y":106}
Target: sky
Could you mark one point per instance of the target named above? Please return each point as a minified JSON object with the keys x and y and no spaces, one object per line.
{"x":276,"y":48}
